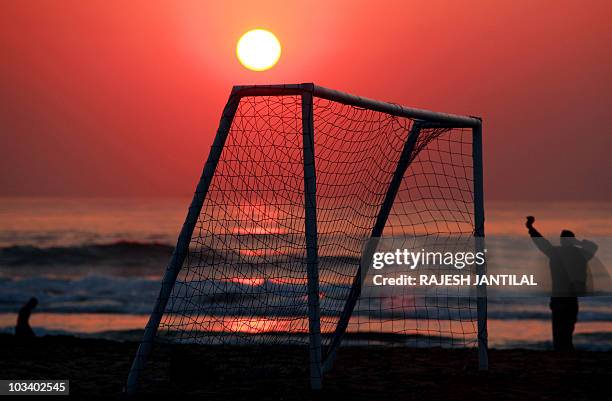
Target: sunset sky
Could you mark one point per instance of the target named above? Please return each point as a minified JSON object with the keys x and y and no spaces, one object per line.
{"x":109,"y":98}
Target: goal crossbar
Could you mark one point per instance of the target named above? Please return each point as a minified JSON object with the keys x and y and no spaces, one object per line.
{"x":451,"y":120}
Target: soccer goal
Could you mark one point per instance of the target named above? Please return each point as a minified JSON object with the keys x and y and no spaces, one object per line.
{"x":298,"y":178}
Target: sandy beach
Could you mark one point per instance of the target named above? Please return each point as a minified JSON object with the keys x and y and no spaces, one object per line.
{"x":97,"y":369}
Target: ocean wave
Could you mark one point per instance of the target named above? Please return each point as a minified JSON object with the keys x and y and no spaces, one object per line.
{"x":125,"y":253}
{"x":131,"y":295}
{"x":91,"y":294}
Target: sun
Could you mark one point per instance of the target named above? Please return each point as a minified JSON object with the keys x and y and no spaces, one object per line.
{"x":258,"y":50}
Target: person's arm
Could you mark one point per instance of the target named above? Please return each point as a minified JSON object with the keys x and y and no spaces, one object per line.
{"x":540,"y":242}
{"x":589,"y":248}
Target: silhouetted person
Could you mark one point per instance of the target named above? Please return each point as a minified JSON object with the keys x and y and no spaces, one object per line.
{"x":568,"y":269}
{"x":23,"y":329}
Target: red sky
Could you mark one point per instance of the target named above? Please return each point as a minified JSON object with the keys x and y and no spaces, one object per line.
{"x":109,"y":98}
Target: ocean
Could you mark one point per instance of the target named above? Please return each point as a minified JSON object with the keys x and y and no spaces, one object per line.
{"x":96,"y":264}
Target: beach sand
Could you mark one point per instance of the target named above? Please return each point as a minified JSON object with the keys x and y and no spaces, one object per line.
{"x":97,"y":369}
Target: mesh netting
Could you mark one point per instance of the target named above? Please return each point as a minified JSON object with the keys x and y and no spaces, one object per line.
{"x":244,"y":279}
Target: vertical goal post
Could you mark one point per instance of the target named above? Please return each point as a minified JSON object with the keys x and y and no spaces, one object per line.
{"x":182,"y":245}
{"x":321,"y":357}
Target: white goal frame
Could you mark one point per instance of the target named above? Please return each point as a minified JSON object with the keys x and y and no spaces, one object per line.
{"x":321,"y":359}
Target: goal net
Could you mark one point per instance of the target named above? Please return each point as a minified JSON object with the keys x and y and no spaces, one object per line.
{"x":298,"y":179}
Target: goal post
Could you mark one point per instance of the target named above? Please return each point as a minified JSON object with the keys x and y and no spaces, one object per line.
{"x":182,"y":246}
{"x":298,"y":178}
{"x":479,"y":233}
{"x":312,"y":263}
